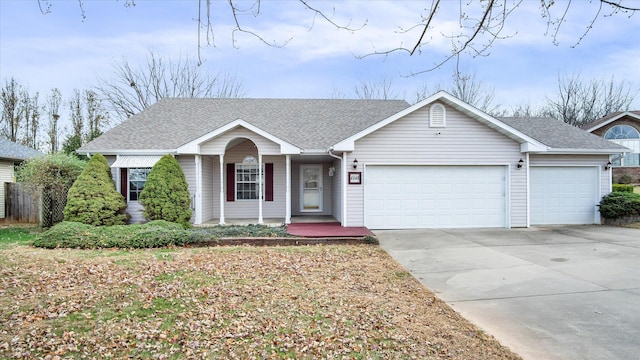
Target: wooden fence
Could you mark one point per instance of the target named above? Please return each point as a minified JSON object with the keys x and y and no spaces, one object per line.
{"x":20,"y":204}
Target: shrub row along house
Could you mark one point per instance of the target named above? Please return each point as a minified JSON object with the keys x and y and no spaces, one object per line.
{"x":384,"y":164}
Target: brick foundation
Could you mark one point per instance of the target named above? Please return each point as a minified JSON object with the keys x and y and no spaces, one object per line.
{"x":634,"y":172}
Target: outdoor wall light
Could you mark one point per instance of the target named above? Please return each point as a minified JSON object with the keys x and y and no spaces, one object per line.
{"x":355,"y":163}
{"x":332,"y":170}
{"x":607,"y":166}
{"x":520,"y":163}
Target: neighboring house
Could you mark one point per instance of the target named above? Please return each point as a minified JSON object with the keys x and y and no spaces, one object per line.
{"x":621,"y":128}
{"x":11,"y":154}
{"x":384,"y":164}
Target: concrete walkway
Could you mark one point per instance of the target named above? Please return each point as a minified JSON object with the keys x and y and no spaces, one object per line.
{"x":569,"y":292}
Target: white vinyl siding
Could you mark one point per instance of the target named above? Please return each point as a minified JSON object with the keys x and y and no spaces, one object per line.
{"x":219,"y":144}
{"x":564,"y":194}
{"x":188,"y":164}
{"x":465,"y":141}
{"x":410,"y":197}
{"x":208,"y":191}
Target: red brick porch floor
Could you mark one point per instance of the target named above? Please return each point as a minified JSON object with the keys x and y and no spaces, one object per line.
{"x":326,"y":229}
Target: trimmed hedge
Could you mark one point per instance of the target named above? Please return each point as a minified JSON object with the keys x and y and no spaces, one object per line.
{"x":623,"y":188}
{"x":620,"y":204}
{"x":153,"y":234}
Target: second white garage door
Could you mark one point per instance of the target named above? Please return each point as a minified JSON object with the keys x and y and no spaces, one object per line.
{"x":564,"y":195}
{"x":405,"y":197}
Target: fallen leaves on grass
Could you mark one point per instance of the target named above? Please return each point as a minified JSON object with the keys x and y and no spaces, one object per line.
{"x":238,"y":303}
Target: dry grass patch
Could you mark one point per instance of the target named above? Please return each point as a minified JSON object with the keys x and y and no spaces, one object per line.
{"x":231,"y":302}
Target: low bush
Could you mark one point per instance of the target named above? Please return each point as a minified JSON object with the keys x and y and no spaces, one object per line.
{"x":252,"y":230}
{"x":153,"y":234}
{"x":623,"y":188}
{"x":620,"y":204}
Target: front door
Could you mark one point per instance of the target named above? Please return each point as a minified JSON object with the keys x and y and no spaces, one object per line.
{"x":311,"y":188}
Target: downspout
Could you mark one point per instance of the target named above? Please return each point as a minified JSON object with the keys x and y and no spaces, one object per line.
{"x":343,"y":186}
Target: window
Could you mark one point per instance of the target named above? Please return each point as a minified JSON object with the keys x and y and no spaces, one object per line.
{"x":137,"y":177}
{"x":248,"y":179}
{"x":437,"y":116}
{"x":628,"y":136}
{"x":622,"y":132}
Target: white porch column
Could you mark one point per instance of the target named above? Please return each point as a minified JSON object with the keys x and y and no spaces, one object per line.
{"x":260,"y":195}
{"x":287,"y":214}
{"x":344,"y":188}
{"x":198,"y":194}
{"x":221,"y":157}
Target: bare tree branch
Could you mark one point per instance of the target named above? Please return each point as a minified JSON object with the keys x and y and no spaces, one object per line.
{"x":619,"y":6}
{"x":133,"y":89}
{"x":434,"y":10}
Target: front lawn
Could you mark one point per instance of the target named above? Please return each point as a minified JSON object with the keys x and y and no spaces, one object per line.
{"x":225,"y":302}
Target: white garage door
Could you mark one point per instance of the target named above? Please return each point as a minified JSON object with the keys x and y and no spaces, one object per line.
{"x":405,"y":197}
{"x":563,"y":195}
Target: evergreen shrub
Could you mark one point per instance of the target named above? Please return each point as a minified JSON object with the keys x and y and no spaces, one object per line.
{"x":93,"y":198}
{"x":620,"y":204}
{"x":166,"y":193}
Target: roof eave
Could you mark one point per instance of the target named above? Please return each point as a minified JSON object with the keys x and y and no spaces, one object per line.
{"x":609,"y":121}
{"x":560,"y":151}
{"x":348,"y":144}
{"x":128,"y":152}
{"x":193,"y":147}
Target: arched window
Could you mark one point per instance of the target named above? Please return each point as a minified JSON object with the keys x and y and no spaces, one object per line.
{"x":622,"y":132}
{"x":625,"y":135}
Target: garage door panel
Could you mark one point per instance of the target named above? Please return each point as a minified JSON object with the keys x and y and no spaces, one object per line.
{"x":435,"y":196}
{"x":563,"y":195}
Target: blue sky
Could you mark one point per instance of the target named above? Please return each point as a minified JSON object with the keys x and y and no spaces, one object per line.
{"x":61,"y":49}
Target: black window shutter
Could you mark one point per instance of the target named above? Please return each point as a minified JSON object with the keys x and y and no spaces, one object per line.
{"x":231,"y":182}
{"x":268,"y":182}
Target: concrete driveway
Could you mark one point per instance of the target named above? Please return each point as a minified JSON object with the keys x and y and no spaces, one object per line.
{"x":570,"y":292}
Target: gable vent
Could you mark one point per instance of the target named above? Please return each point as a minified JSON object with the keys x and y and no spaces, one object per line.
{"x":437,"y":116}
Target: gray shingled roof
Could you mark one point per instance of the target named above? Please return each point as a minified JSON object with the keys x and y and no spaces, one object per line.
{"x":14,"y":151}
{"x":307,"y":124}
{"x":559,"y":135}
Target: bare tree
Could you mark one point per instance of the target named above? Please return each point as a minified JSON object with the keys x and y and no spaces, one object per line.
{"x":467,"y":88}
{"x":578,"y":102}
{"x":53,"y":112}
{"x":526,"y":110}
{"x":380,"y":90}
{"x":88,"y":119}
{"x":97,"y":116}
{"x":76,"y":115}
{"x":31,"y":112}
{"x":136,"y":88}
{"x":12,"y":111}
